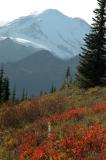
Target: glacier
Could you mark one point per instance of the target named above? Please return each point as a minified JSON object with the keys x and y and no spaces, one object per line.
{"x":50,"y":30}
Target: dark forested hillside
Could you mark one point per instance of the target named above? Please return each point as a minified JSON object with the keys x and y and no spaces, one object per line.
{"x":39,"y":71}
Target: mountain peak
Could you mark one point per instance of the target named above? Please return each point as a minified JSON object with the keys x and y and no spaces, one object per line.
{"x":49,"y":29}
{"x":51,"y":11}
{"x":47,"y":11}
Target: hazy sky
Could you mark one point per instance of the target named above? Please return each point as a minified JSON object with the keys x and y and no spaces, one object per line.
{"x":11,"y":9}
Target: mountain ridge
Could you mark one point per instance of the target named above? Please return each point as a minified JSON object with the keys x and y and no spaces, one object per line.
{"x":39,"y":71}
{"x":52,"y":30}
{"x":11,"y":51}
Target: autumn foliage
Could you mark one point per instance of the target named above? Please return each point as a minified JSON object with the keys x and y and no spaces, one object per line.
{"x":75,"y":133}
{"x":76,"y":142}
{"x":29,"y":111}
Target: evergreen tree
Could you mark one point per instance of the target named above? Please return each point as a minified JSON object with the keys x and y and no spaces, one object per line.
{"x":53,"y":89}
{"x":45,"y":93}
{"x":26,"y":95}
{"x":92,"y":67}
{"x":23,"y":94}
{"x":14,"y":93}
{"x":4,"y":87}
{"x":63,"y":85}
{"x":1,"y":81}
{"x":5,"y":90}
{"x":68,"y":78}
{"x":41,"y":93}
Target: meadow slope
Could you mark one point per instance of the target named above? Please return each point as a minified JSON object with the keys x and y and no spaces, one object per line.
{"x":66,"y":125}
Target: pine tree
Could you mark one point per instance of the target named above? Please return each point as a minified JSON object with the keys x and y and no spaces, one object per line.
{"x":1,"y":81}
{"x":92,"y":67}
{"x":23,"y":94}
{"x":53,"y":89}
{"x":26,"y":95}
{"x":68,"y":78}
{"x":41,"y":93}
{"x":4,"y":87}
{"x":63,"y":85}
{"x":14,"y":93}
{"x":45,"y":93}
{"x":5,"y":90}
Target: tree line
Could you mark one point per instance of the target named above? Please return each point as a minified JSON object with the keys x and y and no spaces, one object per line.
{"x":91,"y":70}
{"x":5,"y":94}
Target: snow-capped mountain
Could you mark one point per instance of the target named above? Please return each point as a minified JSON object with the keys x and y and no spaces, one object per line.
{"x":50,"y":30}
{"x":2,"y":23}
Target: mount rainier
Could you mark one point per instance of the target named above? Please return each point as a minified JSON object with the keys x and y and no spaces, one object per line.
{"x":39,"y":47}
{"x":50,"y":30}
